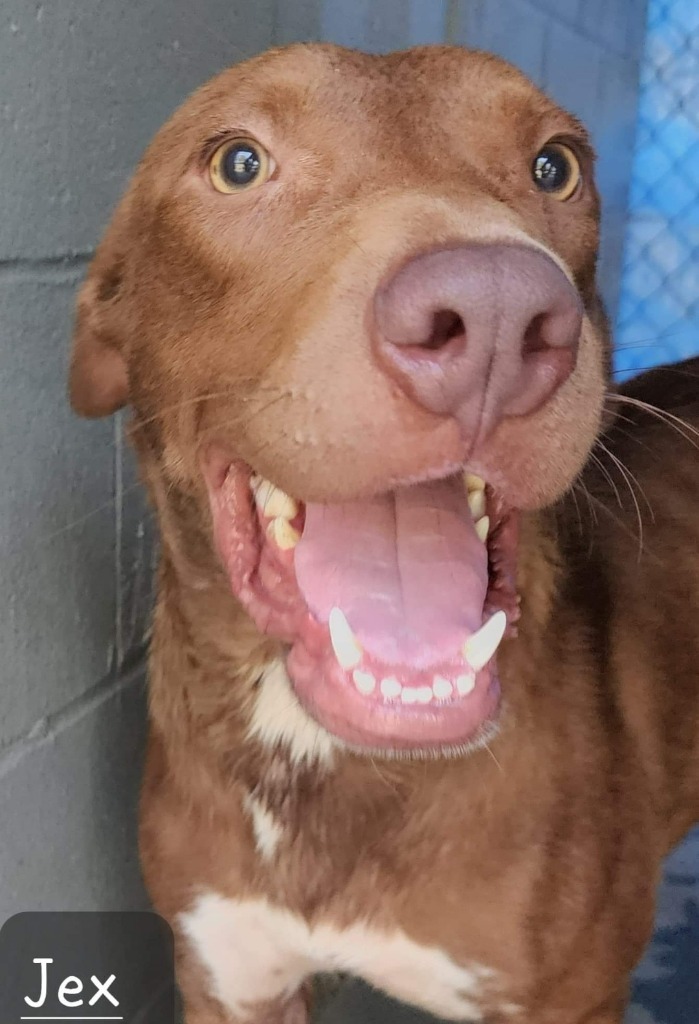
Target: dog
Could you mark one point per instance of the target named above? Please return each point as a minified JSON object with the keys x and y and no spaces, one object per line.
{"x":424,"y":698}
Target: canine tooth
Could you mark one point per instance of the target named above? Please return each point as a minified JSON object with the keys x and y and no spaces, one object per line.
{"x":391,"y":688}
{"x":364,"y":681}
{"x":284,"y":535}
{"x":483,"y":528}
{"x":465,"y":684}
{"x":347,"y":648}
{"x":476,"y":502}
{"x":442,"y":688}
{"x":473,"y":482}
{"x":480,"y":648}
{"x":410,"y":695}
{"x":272,"y":501}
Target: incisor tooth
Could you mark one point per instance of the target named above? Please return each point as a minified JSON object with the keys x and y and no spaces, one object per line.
{"x":473,"y":482}
{"x":347,"y":648}
{"x":410,"y":695}
{"x":284,"y":535}
{"x":480,"y":648}
{"x":272,"y":501}
{"x":483,"y":528}
{"x":391,"y":688}
{"x":442,"y":688}
{"x":465,"y":684}
{"x":476,"y":502}
{"x":424,"y":694}
{"x":364,"y":681}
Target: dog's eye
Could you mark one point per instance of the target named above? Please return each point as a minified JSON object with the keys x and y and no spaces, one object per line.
{"x":556,"y":171}
{"x":239,"y":164}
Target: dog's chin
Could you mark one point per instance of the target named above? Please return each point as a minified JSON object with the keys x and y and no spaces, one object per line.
{"x":392,"y":607}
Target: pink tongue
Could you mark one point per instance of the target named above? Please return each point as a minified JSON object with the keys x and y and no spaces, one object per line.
{"x":407,"y":569}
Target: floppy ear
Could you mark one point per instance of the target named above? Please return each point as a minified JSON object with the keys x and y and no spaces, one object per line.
{"x":98,"y":369}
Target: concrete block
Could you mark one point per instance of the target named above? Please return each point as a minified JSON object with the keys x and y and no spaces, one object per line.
{"x":511,"y":29}
{"x":297,"y":22}
{"x":83,"y":87}
{"x":68,"y":806}
{"x":574,"y":65}
{"x":57,"y":544}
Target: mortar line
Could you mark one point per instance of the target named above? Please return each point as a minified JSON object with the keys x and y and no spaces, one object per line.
{"x":45,"y":731}
{"x":65,"y":266}
{"x":61,"y":259}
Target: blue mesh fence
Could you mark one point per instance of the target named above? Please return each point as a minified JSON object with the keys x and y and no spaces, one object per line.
{"x":658,"y":317}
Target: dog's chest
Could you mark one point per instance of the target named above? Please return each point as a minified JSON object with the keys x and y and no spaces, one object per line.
{"x":254,"y":952}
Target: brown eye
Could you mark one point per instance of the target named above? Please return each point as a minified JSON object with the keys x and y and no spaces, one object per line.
{"x":239,"y":164}
{"x":556,"y":171}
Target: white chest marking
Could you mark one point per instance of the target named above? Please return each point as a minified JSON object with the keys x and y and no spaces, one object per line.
{"x":278,"y":718}
{"x":268,"y":832}
{"x":256,"y":952}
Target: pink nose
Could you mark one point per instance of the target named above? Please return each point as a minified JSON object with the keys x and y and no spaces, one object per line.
{"x":479,"y":332}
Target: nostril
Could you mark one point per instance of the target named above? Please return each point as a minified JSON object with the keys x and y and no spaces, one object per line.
{"x":535,"y":339}
{"x":446,"y":325}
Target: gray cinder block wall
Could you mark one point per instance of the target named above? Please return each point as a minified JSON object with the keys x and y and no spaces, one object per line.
{"x":82,"y":88}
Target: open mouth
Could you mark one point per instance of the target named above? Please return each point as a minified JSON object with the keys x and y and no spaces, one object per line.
{"x":393,"y":606}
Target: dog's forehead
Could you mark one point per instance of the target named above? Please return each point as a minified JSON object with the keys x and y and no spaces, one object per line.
{"x":312,"y":89}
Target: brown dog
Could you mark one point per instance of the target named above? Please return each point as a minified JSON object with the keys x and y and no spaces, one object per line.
{"x":356,"y":277}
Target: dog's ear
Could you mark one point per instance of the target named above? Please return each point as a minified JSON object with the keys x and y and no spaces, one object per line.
{"x":99,"y":383}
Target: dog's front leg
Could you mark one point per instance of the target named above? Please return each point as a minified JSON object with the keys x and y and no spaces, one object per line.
{"x":232,"y":970}
{"x":204,"y":1010}
{"x":205,"y":1002}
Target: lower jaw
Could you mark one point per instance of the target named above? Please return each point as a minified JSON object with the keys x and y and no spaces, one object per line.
{"x":376,"y":727}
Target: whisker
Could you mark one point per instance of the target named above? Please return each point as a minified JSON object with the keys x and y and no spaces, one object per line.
{"x":615,"y":519}
{"x":631,"y":435}
{"x":577,"y":509}
{"x":80,"y":520}
{"x":394,"y":789}
{"x":579,"y":485}
{"x":629,"y":478}
{"x":598,"y":462}
{"x":488,"y":748}
{"x":46,"y":538}
{"x":661,"y":414}
{"x":235,"y":421}
{"x":229,"y":392}
{"x":654,"y":366}
{"x":654,"y":340}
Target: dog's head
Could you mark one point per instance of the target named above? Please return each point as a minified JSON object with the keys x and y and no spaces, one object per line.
{"x":341,"y":293}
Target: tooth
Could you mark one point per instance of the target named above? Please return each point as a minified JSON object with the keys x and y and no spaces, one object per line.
{"x":473,"y":482}
{"x":347,"y":648}
{"x":483,"y":528}
{"x":391,"y":688}
{"x":410,"y":695}
{"x":442,"y":688}
{"x":466,"y":684}
{"x":364,"y":681}
{"x":284,"y":535}
{"x":476,"y":502}
{"x":480,"y":648}
{"x":424,"y":694}
{"x":272,"y":501}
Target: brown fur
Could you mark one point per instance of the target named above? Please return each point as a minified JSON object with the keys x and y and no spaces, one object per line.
{"x":240,"y":320}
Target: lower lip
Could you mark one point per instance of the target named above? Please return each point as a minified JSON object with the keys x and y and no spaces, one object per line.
{"x":338,"y":707}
